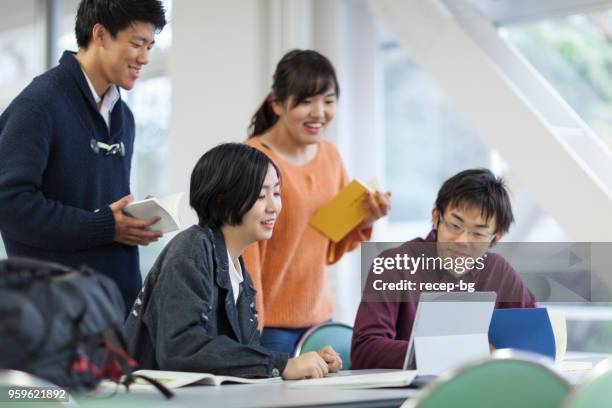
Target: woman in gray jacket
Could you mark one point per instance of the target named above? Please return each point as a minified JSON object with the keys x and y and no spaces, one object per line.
{"x":196,"y":311}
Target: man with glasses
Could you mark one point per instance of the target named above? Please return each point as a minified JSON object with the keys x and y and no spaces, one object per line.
{"x":472,"y":212}
{"x":66,"y":144}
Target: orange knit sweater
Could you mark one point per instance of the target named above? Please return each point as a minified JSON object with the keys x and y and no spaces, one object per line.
{"x":288,"y":270}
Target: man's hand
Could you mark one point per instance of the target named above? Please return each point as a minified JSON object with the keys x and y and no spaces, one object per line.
{"x":333,"y":359}
{"x":308,"y":365}
{"x":129,"y":230}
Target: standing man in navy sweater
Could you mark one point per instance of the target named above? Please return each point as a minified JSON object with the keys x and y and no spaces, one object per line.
{"x":66,"y":145}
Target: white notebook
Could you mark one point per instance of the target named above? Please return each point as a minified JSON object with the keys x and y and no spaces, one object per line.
{"x":392,"y":378}
{"x":177,"y":379}
{"x":167,"y":208}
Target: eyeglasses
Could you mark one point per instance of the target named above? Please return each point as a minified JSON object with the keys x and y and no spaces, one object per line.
{"x":457,"y":229}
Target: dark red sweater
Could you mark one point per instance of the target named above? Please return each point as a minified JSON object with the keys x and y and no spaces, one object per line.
{"x":382,"y":328}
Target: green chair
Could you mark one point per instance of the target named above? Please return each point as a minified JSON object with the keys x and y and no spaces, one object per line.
{"x":595,"y":391}
{"x":508,"y":380}
{"x":337,"y":335}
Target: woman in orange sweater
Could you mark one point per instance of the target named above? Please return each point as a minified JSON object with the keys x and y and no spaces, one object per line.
{"x":288,"y":270}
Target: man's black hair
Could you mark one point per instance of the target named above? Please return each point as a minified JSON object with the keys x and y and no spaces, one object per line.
{"x":226,"y":182}
{"x":116,"y":15}
{"x":478,"y":188}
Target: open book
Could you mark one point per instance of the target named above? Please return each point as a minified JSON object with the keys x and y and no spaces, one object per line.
{"x":167,"y":208}
{"x":177,"y":379}
{"x":342,"y":213}
{"x":360,"y":379}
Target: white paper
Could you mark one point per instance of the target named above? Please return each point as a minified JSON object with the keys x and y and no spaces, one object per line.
{"x":167,"y":208}
{"x":557,"y":321}
{"x":397,"y":378}
{"x":559,"y":326}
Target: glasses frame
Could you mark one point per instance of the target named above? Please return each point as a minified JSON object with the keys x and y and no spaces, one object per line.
{"x":457,"y":230}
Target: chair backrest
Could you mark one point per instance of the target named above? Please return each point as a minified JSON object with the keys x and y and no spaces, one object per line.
{"x":500,"y":383}
{"x":595,"y":391}
{"x":337,"y":335}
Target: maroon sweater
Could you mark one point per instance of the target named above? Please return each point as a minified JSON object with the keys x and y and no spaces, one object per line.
{"x":382,"y":328}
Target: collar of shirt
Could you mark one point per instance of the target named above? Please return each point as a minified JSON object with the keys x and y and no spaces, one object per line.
{"x":107,"y":103}
{"x":236,"y":276}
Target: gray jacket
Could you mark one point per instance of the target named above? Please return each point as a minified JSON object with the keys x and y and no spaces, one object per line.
{"x":185,"y":319}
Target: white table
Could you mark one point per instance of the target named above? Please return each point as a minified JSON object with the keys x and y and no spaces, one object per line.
{"x":254,"y":396}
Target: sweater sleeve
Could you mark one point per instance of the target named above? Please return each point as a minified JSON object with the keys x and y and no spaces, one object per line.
{"x":347,"y":244}
{"x":253,"y":257}
{"x":377,"y":341}
{"x":26,"y":215}
{"x":185,"y":341}
{"x":374,"y":342}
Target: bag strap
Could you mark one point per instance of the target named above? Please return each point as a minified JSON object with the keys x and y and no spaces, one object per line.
{"x":114,"y":343}
{"x":129,"y":379}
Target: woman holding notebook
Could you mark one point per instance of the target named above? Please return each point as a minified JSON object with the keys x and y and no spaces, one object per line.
{"x":289,"y":269}
{"x":196,"y":311}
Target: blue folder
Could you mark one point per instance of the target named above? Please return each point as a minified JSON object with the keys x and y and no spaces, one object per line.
{"x":523,"y":329}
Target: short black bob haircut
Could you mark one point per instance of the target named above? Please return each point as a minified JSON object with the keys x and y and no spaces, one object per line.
{"x":226,"y":182}
{"x":116,"y":15}
{"x":478,"y":188}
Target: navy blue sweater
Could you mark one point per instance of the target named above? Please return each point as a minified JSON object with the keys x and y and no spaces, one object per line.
{"x":54,"y":189}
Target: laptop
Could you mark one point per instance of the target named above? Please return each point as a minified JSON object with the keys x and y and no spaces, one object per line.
{"x":449,"y":329}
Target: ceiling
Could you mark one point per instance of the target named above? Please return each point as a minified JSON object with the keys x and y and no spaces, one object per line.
{"x":504,"y":12}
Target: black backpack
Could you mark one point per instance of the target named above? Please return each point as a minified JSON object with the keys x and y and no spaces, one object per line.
{"x":63,"y":325}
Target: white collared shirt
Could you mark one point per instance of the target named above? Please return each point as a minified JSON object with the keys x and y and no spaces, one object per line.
{"x":235,"y":276}
{"x":111,"y":96}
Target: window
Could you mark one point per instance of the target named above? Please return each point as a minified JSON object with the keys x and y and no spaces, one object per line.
{"x":426,"y":139}
{"x":21,"y":56}
{"x":150,"y":102}
{"x":574,"y":54}
{"x":20,"y":45}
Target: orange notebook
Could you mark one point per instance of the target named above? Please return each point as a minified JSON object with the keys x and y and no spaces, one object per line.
{"x":342,"y":213}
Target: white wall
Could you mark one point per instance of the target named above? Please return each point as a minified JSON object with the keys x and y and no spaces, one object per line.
{"x":219,"y":72}
{"x":345,"y":32}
